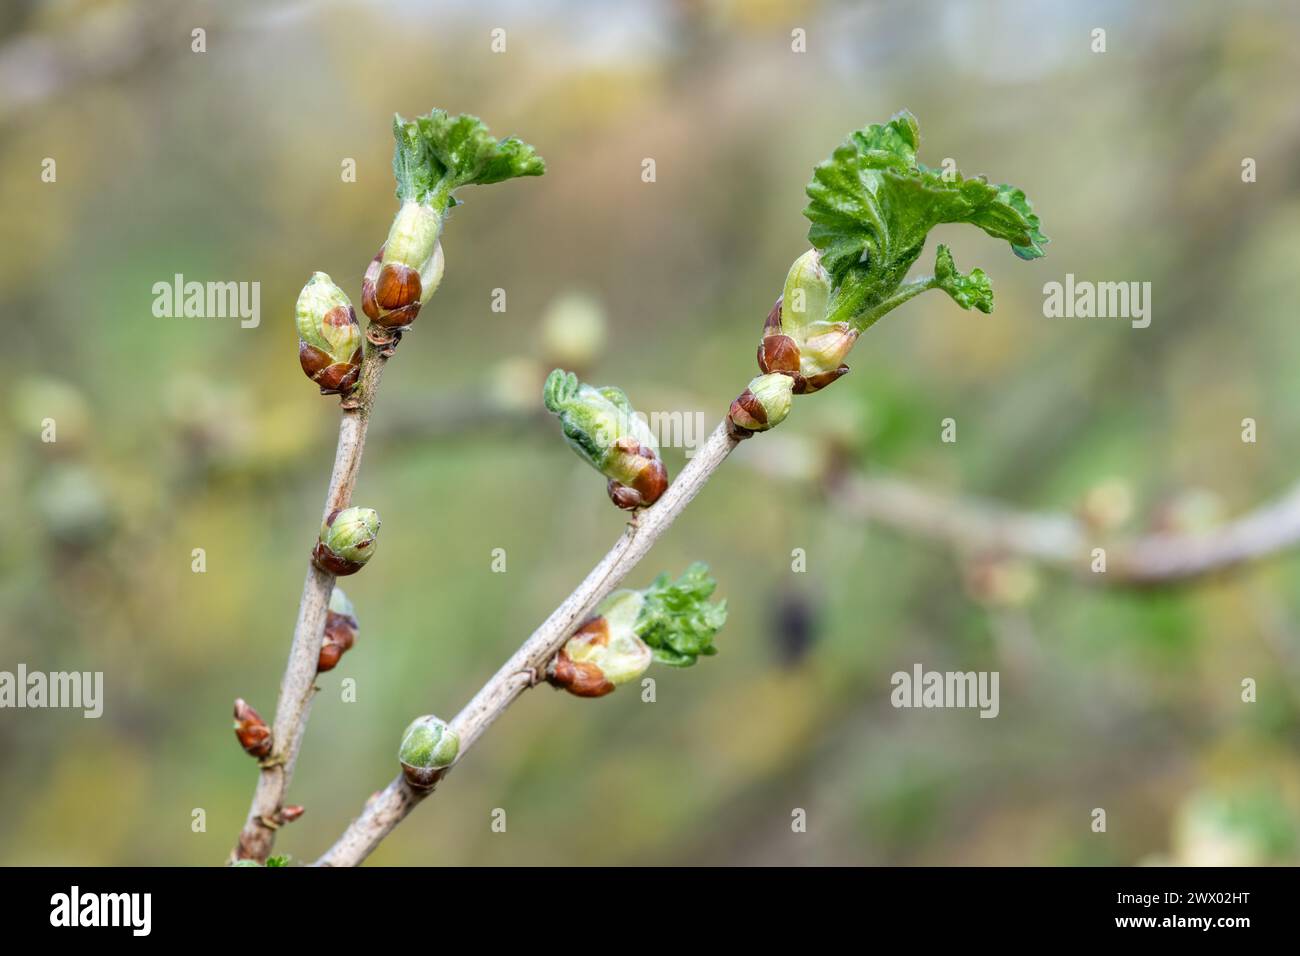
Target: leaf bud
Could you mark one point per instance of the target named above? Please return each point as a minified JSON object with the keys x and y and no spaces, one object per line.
{"x":601,"y":426}
{"x":428,"y":748}
{"x":407,"y":270}
{"x":329,"y":336}
{"x":340,"y":631}
{"x":763,"y":405}
{"x":798,"y":340}
{"x":292,"y":812}
{"x":605,"y":650}
{"x":253,"y":733}
{"x":347,"y":540}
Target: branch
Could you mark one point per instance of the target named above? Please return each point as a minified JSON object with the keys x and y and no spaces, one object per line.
{"x":298,"y":685}
{"x":972,"y":524}
{"x":1055,"y":539}
{"x":527,"y":666}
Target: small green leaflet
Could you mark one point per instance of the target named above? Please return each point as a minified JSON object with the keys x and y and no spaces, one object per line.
{"x":677,"y":619}
{"x":438,"y":153}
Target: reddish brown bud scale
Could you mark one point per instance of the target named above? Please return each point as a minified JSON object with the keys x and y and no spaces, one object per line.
{"x":747,"y":410}
{"x":779,"y":352}
{"x":334,"y":378}
{"x":651,"y":478}
{"x":251,"y":730}
{"x":291,"y":813}
{"x":340,"y":635}
{"x":398,"y":286}
{"x":815,"y":383}
{"x":390,"y":294}
{"x":369,"y":305}
{"x":583,"y":679}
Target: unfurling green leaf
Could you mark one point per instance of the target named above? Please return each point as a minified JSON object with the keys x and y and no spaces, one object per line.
{"x":600,"y":424}
{"x":968,"y":291}
{"x":438,"y":153}
{"x":872,"y":205}
{"x":677,"y":620}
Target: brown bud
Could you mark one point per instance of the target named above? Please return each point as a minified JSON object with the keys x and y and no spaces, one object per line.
{"x":650,"y":476}
{"x":392,"y":283}
{"x":253,"y":733}
{"x":291,"y":813}
{"x":585,"y":678}
{"x":340,"y":632}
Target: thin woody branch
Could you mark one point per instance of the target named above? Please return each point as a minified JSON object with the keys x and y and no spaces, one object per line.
{"x":527,"y":666}
{"x":434,"y":155}
{"x":298,"y":685}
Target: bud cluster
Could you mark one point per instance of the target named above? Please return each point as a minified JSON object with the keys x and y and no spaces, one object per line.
{"x":670,"y":622}
{"x":798,"y":340}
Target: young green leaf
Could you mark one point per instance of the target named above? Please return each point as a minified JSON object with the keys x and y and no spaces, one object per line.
{"x":677,"y":619}
{"x":872,"y":205}
{"x":968,"y":291}
{"x":438,"y":153}
{"x":600,"y":424}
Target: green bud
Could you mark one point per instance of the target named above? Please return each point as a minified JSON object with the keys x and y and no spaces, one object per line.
{"x":605,"y":431}
{"x":807,"y":293}
{"x":798,"y":340}
{"x":605,"y":651}
{"x":413,"y":236}
{"x":347,"y":540}
{"x":672,"y":622}
{"x":763,"y":405}
{"x":429,"y":746}
{"x":329,"y":337}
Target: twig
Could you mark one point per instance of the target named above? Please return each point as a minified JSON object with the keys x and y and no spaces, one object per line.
{"x":975,"y":525}
{"x":298,"y":685}
{"x":524,"y":669}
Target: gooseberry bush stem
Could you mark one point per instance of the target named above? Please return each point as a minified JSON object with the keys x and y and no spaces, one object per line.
{"x":871,"y":206}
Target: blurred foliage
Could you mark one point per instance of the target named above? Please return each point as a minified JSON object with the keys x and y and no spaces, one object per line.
{"x":175,"y":434}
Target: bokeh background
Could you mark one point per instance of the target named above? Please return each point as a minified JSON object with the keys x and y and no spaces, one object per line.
{"x":182,"y":433}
